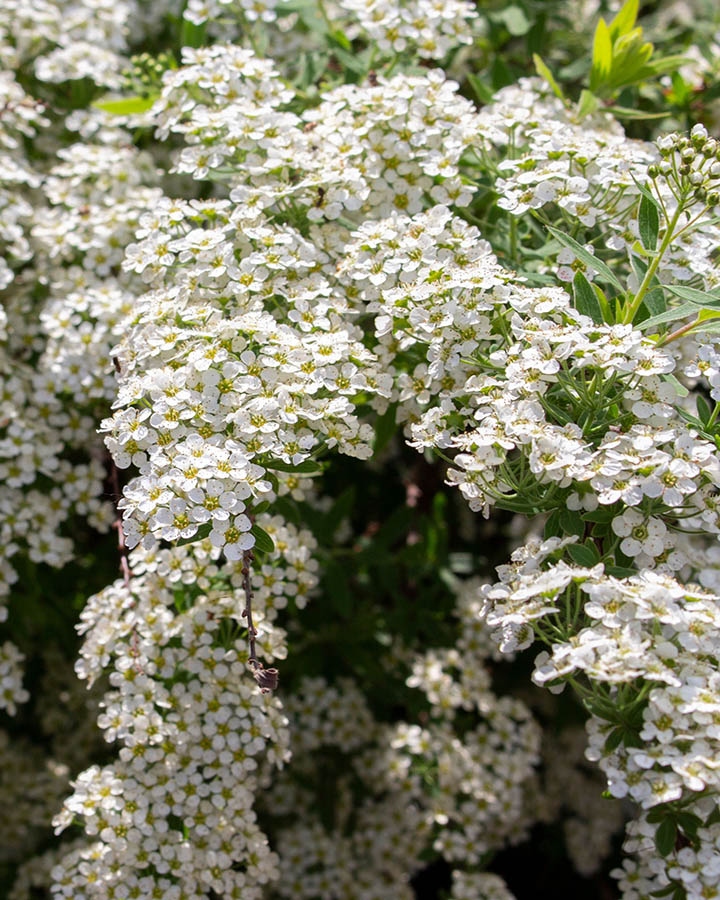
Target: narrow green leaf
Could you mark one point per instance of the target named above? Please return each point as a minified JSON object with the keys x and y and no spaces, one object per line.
{"x":192,"y":35}
{"x":627,"y":112}
{"x":624,"y":21}
{"x":544,"y":72}
{"x":587,"y":104}
{"x":482,"y":91}
{"x":586,"y":301}
{"x":601,"y":57}
{"x":693,"y":295}
{"x":665,"y":836}
{"x":603,"y":271}
{"x":307,"y":467}
{"x":127,"y":107}
{"x":263,"y":542}
{"x":666,"y":891}
{"x":349,"y":60}
{"x":648,"y":223}
{"x":646,"y":192}
{"x":680,"y":388}
{"x":703,"y":409}
{"x":620,"y":571}
{"x":607,"y":314}
{"x":671,"y":315}
{"x":338,"y":38}
{"x":654,"y":301}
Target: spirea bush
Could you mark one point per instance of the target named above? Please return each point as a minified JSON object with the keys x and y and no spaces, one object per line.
{"x":359,"y":450}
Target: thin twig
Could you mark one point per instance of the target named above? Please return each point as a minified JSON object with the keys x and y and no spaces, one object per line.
{"x":266,"y":678}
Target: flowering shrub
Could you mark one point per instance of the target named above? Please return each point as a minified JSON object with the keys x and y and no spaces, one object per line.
{"x":277,"y":277}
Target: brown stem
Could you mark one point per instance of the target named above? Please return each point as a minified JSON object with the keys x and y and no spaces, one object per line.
{"x":266,"y":678}
{"x":679,"y":333}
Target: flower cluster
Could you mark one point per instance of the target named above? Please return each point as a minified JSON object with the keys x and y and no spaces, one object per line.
{"x":196,"y":735}
{"x":301,"y":241}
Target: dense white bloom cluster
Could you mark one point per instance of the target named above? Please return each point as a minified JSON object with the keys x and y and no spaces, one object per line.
{"x":428,"y":28}
{"x":176,"y":808}
{"x":67,"y":41}
{"x":306,"y":252}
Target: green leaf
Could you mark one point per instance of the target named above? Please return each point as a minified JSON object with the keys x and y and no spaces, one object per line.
{"x":601,"y":515}
{"x":671,"y":315}
{"x":665,"y":836}
{"x":586,"y":301}
{"x":584,"y":554}
{"x":713,"y":818}
{"x":689,"y":823}
{"x":666,"y":891}
{"x":646,"y":192}
{"x":648,"y":223}
{"x":515,"y":20}
{"x":607,"y":313}
{"x":602,"y":56}
{"x":654,"y":302}
{"x":338,"y":38}
{"x":571,"y":522}
{"x":603,"y":271}
{"x":693,"y":295}
{"x":127,"y":107}
{"x":680,"y":388}
{"x":481,"y":90}
{"x":620,"y":571}
{"x":200,"y":535}
{"x":703,"y":409}
{"x":544,"y":72}
{"x":587,"y":104}
{"x":350,"y":61}
{"x":624,"y":21}
{"x":613,"y":740}
{"x":192,"y":35}
{"x":307,"y":467}
{"x":552,"y":525}
{"x":263,"y":541}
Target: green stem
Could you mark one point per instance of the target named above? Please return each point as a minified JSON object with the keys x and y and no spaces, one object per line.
{"x":652,"y":268}
{"x":326,"y":18}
